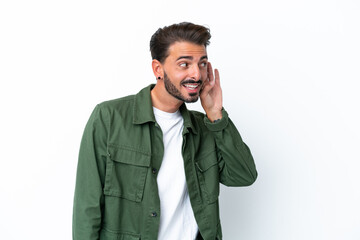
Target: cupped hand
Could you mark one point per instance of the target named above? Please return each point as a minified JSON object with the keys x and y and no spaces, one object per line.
{"x":211,"y":95}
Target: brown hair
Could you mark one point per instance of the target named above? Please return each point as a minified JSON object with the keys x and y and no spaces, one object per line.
{"x":185,"y":31}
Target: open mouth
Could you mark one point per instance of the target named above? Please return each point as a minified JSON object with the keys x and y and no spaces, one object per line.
{"x":191,"y":87}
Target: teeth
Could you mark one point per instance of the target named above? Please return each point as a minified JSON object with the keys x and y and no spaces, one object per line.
{"x":191,"y":86}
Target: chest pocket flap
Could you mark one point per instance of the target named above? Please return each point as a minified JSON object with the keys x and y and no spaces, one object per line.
{"x":126,"y":171}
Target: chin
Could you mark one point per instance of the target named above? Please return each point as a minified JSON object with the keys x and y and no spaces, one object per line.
{"x":192,"y":99}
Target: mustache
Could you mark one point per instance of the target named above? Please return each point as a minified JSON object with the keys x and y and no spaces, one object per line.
{"x":187,"y":81}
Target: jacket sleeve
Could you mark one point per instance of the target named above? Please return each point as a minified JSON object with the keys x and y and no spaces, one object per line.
{"x":236,"y":164}
{"x":88,"y":199}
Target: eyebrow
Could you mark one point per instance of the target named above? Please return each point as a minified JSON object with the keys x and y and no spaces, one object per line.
{"x":191,"y":58}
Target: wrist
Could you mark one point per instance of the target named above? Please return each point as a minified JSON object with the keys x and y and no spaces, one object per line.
{"x":214,"y":117}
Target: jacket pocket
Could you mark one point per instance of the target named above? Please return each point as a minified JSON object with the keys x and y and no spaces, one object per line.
{"x":208,"y":173}
{"x":126,"y":171}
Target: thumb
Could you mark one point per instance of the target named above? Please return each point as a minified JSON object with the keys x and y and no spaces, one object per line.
{"x":207,"y":87}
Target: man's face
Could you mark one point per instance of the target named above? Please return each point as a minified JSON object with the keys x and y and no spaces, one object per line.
{"x":185,"y":70}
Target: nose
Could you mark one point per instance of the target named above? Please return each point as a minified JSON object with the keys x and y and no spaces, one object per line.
{"x":195,"y":72}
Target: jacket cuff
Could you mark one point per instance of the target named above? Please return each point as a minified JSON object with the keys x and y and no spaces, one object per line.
{"x":218,"y":126}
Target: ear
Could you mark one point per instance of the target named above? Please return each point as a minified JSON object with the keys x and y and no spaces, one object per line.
{"x":157,"y":69}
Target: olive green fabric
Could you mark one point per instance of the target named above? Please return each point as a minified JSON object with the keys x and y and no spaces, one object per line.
{"x":116,"y":194}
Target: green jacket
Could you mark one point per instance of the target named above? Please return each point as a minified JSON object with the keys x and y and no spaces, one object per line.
{"x":116,"y":194}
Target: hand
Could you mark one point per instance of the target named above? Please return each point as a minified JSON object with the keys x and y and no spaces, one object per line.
{"x":211,"y":95}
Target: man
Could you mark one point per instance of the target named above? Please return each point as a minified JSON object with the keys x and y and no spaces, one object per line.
{"x":148,"y":167}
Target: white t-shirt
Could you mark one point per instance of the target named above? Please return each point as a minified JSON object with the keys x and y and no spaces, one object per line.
{"x":177,"y":219}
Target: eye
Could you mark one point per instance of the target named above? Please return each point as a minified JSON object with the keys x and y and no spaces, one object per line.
{"x":184,"y":64}
{"x":203,"y":64}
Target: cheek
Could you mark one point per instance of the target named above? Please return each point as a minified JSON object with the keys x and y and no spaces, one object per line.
{"x":179,"y":76}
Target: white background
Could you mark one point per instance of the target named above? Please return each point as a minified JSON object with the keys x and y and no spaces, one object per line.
{"x":290,"y":77}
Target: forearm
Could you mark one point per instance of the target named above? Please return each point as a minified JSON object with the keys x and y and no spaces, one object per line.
{"x":237,"y":167}
{"x":87,"y":203}
{"x":89,"y":198}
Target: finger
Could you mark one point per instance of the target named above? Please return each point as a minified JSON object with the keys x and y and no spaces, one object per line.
{"x":217,"y":77}
{"x":210,"y":72}
{"x":207,"y":86}
{"x":206,"y":91}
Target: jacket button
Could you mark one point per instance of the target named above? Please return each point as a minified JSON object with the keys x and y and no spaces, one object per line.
{"x":154,"y":171}
{"x":153,"y":214}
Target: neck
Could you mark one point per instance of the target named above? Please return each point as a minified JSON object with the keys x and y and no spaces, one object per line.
{"x":162,"y":100}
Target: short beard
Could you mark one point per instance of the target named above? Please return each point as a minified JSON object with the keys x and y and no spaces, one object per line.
{"x":173,"y":91}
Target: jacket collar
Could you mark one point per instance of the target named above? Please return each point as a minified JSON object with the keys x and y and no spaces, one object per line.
{"x":143,"y":110}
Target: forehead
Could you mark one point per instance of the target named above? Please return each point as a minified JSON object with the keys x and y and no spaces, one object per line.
{"x":179,"y":49}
